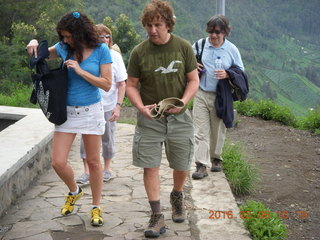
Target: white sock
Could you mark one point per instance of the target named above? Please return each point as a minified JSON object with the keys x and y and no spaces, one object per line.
{"x":76,"y":192}
{"x":94,"y":206}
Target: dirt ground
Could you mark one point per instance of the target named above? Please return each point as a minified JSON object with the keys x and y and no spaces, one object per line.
{"x":289,"y":163}
{"x":289,"y":170}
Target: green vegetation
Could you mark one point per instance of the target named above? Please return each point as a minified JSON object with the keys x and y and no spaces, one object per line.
{"x":311,"y":121}
{"x":241,"y":174}
{"x":128,"y":121}
{"x":269,"y":110}
{"x":19,"y":97}
{"x":126,"y":102}
{"x":262,"y":223}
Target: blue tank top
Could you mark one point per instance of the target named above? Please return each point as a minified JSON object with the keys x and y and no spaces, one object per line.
{"x":80,"y":91}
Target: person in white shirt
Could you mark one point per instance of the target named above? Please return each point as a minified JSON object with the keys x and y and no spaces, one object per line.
{"x":112,"y":101}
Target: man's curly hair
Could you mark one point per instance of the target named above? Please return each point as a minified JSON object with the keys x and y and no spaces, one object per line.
{"x":83,"y":32}
{"x":159,"y":10}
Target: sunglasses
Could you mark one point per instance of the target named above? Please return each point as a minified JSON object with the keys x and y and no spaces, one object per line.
{"x":105,"y":36}
{"x":214,"y":31}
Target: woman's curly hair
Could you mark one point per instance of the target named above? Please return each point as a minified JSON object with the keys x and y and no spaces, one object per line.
{"x":159,"y":10}
{"x":83,"y":32}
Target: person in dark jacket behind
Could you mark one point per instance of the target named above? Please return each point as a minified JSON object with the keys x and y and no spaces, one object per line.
{"x":209,"y":144}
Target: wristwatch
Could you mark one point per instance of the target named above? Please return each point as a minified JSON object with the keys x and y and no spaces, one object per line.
{"x":119,"y":104}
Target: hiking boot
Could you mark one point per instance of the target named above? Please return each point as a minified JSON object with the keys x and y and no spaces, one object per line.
{"x":216,"y":165}
{"x":70,"y":201}
{"x":83,"y":178}
{"x":156,"y":226}
{"x":96,"y":217}
{"x":201,"y":171}
{"x":178,"y":207}
{"x":106,"y":176}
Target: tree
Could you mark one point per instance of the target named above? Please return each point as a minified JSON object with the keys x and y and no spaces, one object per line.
{"x":21,"y":21}
{"x":124,"y":35}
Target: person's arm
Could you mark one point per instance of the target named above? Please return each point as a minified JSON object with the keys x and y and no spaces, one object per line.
{"x":191,"y":89}
{"x":32,"y":48}
{"x":103,"y":82}
{"x":192,"y":86}
{"x":135,"y":98}
{"x":121,"y":91}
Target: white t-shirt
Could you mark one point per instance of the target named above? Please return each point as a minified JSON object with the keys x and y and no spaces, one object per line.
{"x":119,"y":74}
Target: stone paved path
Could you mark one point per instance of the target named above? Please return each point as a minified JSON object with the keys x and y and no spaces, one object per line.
{"x":36,"y":216}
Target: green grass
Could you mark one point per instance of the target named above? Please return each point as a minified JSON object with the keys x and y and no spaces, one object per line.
{"x":262,"y":223}
{"x":128,"y":121}
{"x":241,"y":174}
{"x":18,"y":98}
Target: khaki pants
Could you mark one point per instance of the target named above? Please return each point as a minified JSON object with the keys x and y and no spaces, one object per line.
{"x":210,"y":131}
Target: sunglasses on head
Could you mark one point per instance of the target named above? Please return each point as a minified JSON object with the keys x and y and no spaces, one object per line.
{"x":214,"y":31}
{"x":105,"y":36}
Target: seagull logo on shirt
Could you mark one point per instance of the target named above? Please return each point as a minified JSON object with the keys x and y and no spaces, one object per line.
{"x":169,"y":69}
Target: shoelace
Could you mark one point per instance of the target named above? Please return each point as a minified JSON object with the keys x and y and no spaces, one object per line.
{"x":70,"y":200}
{"x":154,"y":220}
{"x":177,"y":202}
{"x":96,"y":212}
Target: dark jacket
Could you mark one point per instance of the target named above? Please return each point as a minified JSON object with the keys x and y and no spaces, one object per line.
{"x":234,"y":88}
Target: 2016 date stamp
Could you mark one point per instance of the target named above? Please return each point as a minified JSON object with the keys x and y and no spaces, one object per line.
{"x":215,"y":214}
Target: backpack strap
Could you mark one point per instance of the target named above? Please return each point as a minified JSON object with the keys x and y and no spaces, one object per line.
{"x":199,"y":56}
{"x":202,"y":46}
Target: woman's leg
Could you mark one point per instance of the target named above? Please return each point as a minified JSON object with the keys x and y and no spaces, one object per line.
{"x":92,"y":145}
{"x":61,"y":145}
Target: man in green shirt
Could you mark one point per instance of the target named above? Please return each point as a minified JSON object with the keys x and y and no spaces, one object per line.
{"x":160,"y":67}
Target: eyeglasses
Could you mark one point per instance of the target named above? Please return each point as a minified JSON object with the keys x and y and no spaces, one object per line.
{"x":214,"y":31}
{"x":105,"y":36}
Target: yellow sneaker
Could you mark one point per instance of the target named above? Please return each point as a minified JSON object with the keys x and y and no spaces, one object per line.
{"x":69,"y":204}
{"x":96,"y":217}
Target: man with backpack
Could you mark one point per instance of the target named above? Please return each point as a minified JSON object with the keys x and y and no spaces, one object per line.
{"x":214,"y":86}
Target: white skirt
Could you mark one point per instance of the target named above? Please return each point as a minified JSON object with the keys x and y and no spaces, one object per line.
{"x":84,"y":120}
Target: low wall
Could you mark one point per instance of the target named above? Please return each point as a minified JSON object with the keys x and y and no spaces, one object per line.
{"x":25,"y":148}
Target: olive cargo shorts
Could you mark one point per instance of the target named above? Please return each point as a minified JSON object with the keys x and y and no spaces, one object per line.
{"x":174,"y":131}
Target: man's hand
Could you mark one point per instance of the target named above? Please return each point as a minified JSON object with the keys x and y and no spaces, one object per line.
{"x":146,"y":110}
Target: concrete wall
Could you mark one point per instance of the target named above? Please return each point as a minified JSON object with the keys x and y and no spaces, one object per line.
{"x":25,"y":148}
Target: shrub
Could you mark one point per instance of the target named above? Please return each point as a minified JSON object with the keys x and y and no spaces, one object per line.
{"x":247,"y":107}
{"x":262,"y":223}
{"x":267,"y":110}
{"x":241,"y":174}
{"x":311,"y":121}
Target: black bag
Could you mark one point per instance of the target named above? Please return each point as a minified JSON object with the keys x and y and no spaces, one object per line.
{"x":199,"y":54}
{"x":49,"y":86}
